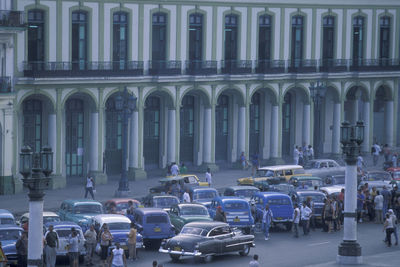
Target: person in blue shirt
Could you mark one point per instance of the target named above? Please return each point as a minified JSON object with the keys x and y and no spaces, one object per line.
{"x":360,"y":204}
{"x":266,"y":221}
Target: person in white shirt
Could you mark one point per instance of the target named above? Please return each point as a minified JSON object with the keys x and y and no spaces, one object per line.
{"x":174,"y":169}
{"x":254,"y":262}
{"x":378,"y":201}
{"x":118,"y":258}
{"x":394,"y":160}
{"x":375,"y":153}
{"x":388,"y":227}
{"x":360,"y":164}
{"x":296,"y":155}
{"x":305,"y":218}
{"x":394,"y":222}
{"x":186,"y":196}
{"x":208,"y":177}
{"x":89,"y":186}
{"x":296,"y":220}
{"x":310,"y":151}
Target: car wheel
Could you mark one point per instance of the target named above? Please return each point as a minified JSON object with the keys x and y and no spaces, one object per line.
{"x":288,"y":226}
{"x":174,"y":257}
{"x":245,"y":251}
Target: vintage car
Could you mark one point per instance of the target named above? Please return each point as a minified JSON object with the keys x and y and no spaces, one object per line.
{"x":317,"y":197}
{"x":184,"y":213}
{"x":154,"y":225}
{"x":283,"y":172}
{"x":242,"y":191}
{"x":395,"y":172}
{"x":160,"y":201}
{"x":331,"y":191}
{"x":9,"y":234}
{"x":280,"y":204}
{"x":63,"y":230}
{"x":377,"y":184}
{"x":203,"y":240}
{"x":203,"y":195}
{"x":120,"y":205}
{"x":6,"y":217}
{"x":119,"y":227}
{"x":323,"y":167}
{"x":306,"y":182}
{"x":377,"y":176}
{"x":335,"y":180}
{"x":237,"y":211}
{"x":185,"y":181}
{"x":48,"y":216}
{"x":80,"y":211}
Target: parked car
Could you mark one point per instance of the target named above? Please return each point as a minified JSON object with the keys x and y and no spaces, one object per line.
{"x":160,"y":201}
{"x":63,"y":230}
{"x":241,"y":191}
{"x":48,"y":216}
{"x":9,"y":234}
{"x":395,"y":172}
{"x":306,"y":182}
{"x":207,"y":239}
{"x":317,"y":197}
{"x":181,"y":214}
{"x":119,"y":227}
{"x":80,"y":211}
{"x":283,"y":172}
{"x":323,"y":167}
{"x":203,"y":195}
{"x":280,"y":204}
{"x":237,"y":211}
{"x":6,"y":217}
{"x":332,"y":190}
{"x":154,"y":225}
{"x":335,"y":180}
{"x":377,"y":176}
{"x":120,"y":204}
{"x":186,"y":181}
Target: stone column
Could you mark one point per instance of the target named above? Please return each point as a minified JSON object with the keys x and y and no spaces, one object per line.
{"x":52,"y":136}
{"x":9,"y":58}
{"x":336,"y":129}
{"x":94,"y":142}
{"x":274,"y":131}
{"x":241,"y":130}
{"x":306,"y":124}
{"x":389,"y":123}
{"x":11,"y":183}
{"x":354,"y":112}
{"x":365,"y":146}
{"x":134,"y":171}
{"x":267,"y":128}
{"x":207,"y":136}
{"x":171,"y":135}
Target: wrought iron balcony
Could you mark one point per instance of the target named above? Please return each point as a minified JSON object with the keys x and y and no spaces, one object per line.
{"x":270,"y":66}
{"x":201,"y":67}
{"x":40,"y":69}
{"x":236,"y":66}
{"x":374,"y":64}
{"x":165,"y":67}
{"x":333,"y":65}
{"x":5,"y":84}
{"x":12,"y":18}
{"x":303,"y":65}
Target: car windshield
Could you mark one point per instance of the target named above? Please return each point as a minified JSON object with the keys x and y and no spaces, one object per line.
{"x":193,"y":231}
{"x":278,"y":201}
{"x":378,"y":176}
{"x":239,"y":205}
{"x":339,"y":180}
{"x":204,"y":195}
{"x":125,"y":206}
{"x":245,"y":192}
{"x":308,"y":184}
{"x":311,"y":165}
{"x":164,"y":202}
{"x":47,"y":219}
{"x":156,"y":219}
{"x":265,"y":173}
{"x":11,"y":234}
{"x":6,"y":221}
{"x":315,"y":197}
{"x":194,"y":211}
{"x":119,"y":226}
{"x":64,"y":233}
{"x":87,"y":208}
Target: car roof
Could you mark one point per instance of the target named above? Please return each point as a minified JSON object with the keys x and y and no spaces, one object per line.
{"x":165,"y":196}
{"x":280,"y":167}
{"x":4,"y":213}
{"x":207,"y":225}
{"x":110,"y":218}
{"x":231,"y":198}
{"x":81,"y":201}
{"x":62,"y":224}
{"x":309,"y":192}
{"x":45,"y":214}
{"x":180,"y":205}
{"x":239,"y":187}
{"x":122,"y":200}
{"x":10,"y":226}
{"x":202,"y":188}
{"x":272,"y":194}
{"x":316,"y":160}
{"x":176,"y":178}
{"x":146,"y":211}
{"x":299,"y":177}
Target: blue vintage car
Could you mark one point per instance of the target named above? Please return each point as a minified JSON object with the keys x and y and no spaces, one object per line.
{"x":80,"y":211}
{"x":203,"y":195}
{"x":280,"y":204}
{"x":9,"y":234}
{"x":6,"y":217}
{"x":237,"y":211}
{"x":154,"y":225}
{"x":242,"y":191}
{"x":317,"y":197}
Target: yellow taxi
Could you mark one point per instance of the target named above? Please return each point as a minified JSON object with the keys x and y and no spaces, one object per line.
{"x":279,"y":171}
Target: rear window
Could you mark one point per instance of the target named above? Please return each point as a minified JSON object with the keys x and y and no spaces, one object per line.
{"x":11,"y":234}
{"x":204,"y":195}
{"x":50,"y":219}
{"x":235,"y":205}
{"x":156,"y":219}
{"x":6,"y":221}
{"x":63,"y":232}
{"x":87,"y":208}
{"x":164,"y":202}
{"x":125,"y":206}
{"x":279,"y":201}
{"x":246,"y":192}
{"x":119,"y":226}
{"x":315,"y":197}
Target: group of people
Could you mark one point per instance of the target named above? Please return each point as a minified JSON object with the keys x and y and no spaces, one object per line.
{"x":174,"y":170}
{"x":390,"y":158}
{"x":302,"y":154}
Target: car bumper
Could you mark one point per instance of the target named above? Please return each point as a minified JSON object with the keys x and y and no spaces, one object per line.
{"x":282,"y":221}
{"x":180,"y":253}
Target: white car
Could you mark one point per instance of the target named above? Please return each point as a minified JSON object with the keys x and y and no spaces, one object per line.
{"x":333,"y":190}
{"x":48,"y":216}
{"x":323,"y":167}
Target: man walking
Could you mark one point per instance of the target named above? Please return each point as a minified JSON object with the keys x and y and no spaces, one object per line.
{"x":305,"y":218}
{"x":89,"y":186}
{"x":51,"y":242}
{"x":219,"y":215}
{"x":208,"y":177}
{"x":91,"y":242}
{"x":378,"y":202}
{"x":132,"y":242}
{"x":266,"y":221}
{"x":296,"y":220}
{"x":386,"y":200}
{"x":375,"y":151}
{"x":394,"y":222}
{"x":22,"y":249}
{"x":174,"y":169}
{"x":296,"y":155}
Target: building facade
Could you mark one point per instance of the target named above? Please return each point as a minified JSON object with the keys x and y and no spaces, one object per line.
{"x":212,"y":79}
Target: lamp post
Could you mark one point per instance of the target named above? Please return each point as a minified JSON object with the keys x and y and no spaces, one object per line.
{"x":317,"y":92}
{"x":351,"y":137}
{"x":31,"y":168}
{"x":125,"y":103}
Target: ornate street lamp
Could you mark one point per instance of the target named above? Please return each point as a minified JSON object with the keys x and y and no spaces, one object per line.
{"x":351,"y":137}
{"x":125,"y":103}
{"x":25,"y":161}
{"x":47,"y":160}
{"x":317,"y":93}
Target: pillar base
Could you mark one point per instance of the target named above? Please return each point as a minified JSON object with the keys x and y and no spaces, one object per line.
{"x":213,"y":167}
{"x":135,"y":174}
{"x":275,"y":161}
{"x":99,"y":177}
{"x":349,"y":253}
{"x":57,"y":181}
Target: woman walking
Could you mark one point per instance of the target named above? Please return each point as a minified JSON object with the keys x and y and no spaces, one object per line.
{"x":388,"y":227}
{"x":105,"y":241}
{"x":328,"y":214}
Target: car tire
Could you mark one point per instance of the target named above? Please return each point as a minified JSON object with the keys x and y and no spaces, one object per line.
{"x":174,"y":257}
{"x":245,"y":251}
{"x":288,"y":226}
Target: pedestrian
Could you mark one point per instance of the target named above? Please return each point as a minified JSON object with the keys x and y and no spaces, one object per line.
{"x":310,"y":152}
{"x":89,"y":186}
{"x":22,"y":249}
{"x":369,"y":205}
{"x":51,"y":241}
{"x":310,"y":204}
{"x":394,"y":160}
{"x":341,"y":205}
{"x":335,"y":213}
{"x":386,"y":152}
{"x":169,"y":165}
{"x":183,"y":169}
{"x":394,"y":222}
{"x":378,"y":202}
{"x":220,"y":215}
{"x":360,"y":164}
{"x":305,"y":218}
{"x":328,"y":214}
{"x":91,"y":242}
{"x":296,"y":155}
{"x":375,"y":151}
{"x":131,"y":208}
{"x":255,"y":164}
{"x":175,"y":189}
{"x":254,"y":262}
{"x":186,"y":196}
{"x":155,"y":263}
{"x":73,"y":249}
{"x":305,"y":152}
{"x":386,"y":199}
{"x":132,"y":242}
{"x":267,"y":220}
{"x":395,"y":194}
{"x":388,"y":227}
{"x":118,"y":258}
{"x":105,"y":242}
{"x":208,"y":177}
{"x":243,"y":161}
{"x":174,"y":169}
{"x":296,"y":220}
{"x":360,"y":205}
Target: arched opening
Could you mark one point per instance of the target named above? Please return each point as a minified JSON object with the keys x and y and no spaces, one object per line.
{"x":152,"y":131}
{"x":383,"y":116}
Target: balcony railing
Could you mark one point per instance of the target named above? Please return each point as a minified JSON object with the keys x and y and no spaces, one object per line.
{"x":270,"y":66}
{"x":90,"y":68}
{"x":236,"y":66}
{"x":165,"y":67}
{"x":333,"y":65}
{"x":374,"y":64}
{"x":303,"y":65}
{"x":5,"y":84}
{"x":11,"y":18}
{"x":201,"y":67}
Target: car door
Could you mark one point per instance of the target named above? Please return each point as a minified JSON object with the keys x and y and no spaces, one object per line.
{"x":176,"y":220}
{"x":230,"y":242}
{"x":212,"y":208}
{"x":218,"y":244}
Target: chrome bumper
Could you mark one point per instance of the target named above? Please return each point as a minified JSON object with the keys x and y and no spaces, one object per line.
{"x":181,"y":253}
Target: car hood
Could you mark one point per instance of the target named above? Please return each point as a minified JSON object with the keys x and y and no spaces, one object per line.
{"x":195,"y":218}
{"x":86,"y":216}
{"x":9,"y":246}
{"x":205,"y":201}
{"x":186,"y":242}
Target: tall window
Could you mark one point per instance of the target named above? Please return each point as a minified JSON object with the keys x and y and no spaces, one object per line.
{"x":35,"y":35}
{"x":328,"y":39}
{"x":231,"y":37}
{"x":195,"y":37}
{"x":120,"y":39}
{"x":264,"y":37}
{"x":79,"y":39}
{"x":159,"y":43}
{"x":384,"y":24}
{"x":297,"y":41}
{"x":358,"y":40}
{"x":33,"y":124}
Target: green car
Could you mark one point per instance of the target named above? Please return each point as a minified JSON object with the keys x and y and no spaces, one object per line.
{"x":181,"y":214}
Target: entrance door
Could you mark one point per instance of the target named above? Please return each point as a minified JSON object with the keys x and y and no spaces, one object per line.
{"x":113,"y":138}
{"x":187,"y":129}
{"x":151,"y":134}
{"x":254,"y":124}
{"x":74,"y":137}
{"x":33,"y":124}
{"x":286,"y":124}
{"x":221,"y":128}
